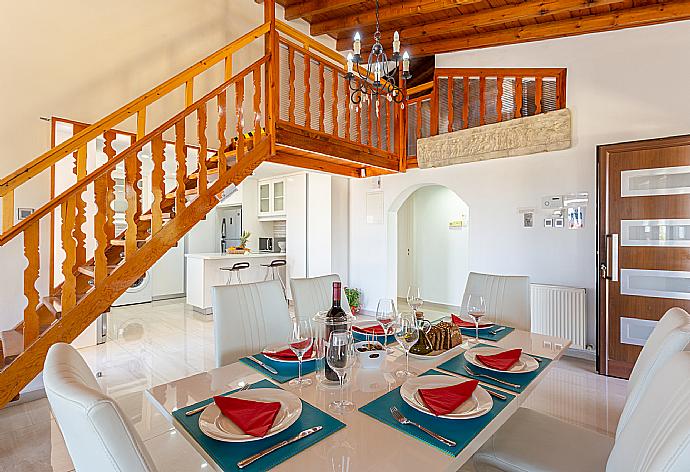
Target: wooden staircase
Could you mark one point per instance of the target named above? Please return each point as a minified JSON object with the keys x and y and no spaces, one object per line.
{"x":85,"y":283}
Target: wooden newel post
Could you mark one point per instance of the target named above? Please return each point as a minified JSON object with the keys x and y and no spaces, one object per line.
{"x":272,"y":102}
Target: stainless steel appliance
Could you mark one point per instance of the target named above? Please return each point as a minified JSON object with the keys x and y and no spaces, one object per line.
{"x":230,"y":228}
{"x":265,"y":244}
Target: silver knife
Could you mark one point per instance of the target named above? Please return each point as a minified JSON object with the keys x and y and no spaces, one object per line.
{"x":245,"y":462}
{"x":264,"y":365}
{"x":498,"y":330}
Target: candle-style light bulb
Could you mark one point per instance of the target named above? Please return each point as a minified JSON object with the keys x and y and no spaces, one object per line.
{"x":357,"y":46}
{"x":396,"y":42}
{"x":406,"y":62}
{"x":377,"y":73}
{"x":350,"y":66}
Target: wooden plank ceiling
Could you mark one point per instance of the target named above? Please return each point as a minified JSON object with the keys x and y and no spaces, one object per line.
{"x":435,"y":26}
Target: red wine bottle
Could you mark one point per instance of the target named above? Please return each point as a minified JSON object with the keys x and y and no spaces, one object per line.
{"x":336,"y":320}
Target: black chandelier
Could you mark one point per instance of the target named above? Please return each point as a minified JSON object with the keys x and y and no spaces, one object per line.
{"x":379,"y":79}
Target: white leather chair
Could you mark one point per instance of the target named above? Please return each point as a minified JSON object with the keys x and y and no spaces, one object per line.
{"x":98,"y":435}
{"x":506,"y":297}
{"x":247,"y":318}
{"x":315,"y":294}
{"x":532,"y":441}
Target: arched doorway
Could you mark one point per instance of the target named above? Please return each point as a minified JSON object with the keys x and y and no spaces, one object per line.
{"x":429,"y":244}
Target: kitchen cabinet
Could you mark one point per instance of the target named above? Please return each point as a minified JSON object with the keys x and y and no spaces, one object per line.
{"x":271,"y":194}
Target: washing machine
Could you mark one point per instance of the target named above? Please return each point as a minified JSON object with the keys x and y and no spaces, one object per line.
{"x":141,"y":291}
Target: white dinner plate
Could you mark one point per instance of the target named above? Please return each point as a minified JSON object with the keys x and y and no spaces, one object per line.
{"x":525,"y":364}
{"x":216,"y":425}
{"x":482,"y":326}
{"x":367,"y":324}
{"x":480,"y":403}
{"x":267,"y":352}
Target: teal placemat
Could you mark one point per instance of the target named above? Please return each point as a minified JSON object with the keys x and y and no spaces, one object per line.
{"x":457,"y":365}
{"x":460,"y":431}
{"x":286,"y":370}
{"x":227,"y":455}
{"x":486,"y":333}
{"x":363,"y":337}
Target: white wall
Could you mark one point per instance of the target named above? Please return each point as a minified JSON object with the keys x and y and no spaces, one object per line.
{"x":622,"y":86}
{"x":340,"y":220}
{"x":438,"y":261}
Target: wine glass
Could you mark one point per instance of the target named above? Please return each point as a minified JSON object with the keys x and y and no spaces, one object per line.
{"x":476,"y":309}
{"x":341,"y":356}
{"x":406,"y":332}
{"x":414,"y":298}
{"x":386,"y":314}
{"x":301,"y":340}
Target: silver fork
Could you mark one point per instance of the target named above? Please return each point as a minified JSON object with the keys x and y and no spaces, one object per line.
{"x":400,"y":418}
{"x":202,"y":408}
{"x":471,"y":372}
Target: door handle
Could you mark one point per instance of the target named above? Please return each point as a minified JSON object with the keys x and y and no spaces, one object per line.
{"x":611,"y":250}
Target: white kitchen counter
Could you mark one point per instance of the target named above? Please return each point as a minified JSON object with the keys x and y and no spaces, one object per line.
{"x":250,"y":255}
{"x":204,"y":271}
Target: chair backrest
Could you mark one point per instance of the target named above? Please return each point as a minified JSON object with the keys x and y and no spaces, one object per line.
{"x":670,"y":336}
{"x":657,"y":436}
{"x":98,"y":435}
{"x":315,"y":294}
{"x":506,"y":297}
{"x":247,"y":318}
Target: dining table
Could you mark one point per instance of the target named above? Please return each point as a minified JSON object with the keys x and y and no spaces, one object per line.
{"x":366,"y":443}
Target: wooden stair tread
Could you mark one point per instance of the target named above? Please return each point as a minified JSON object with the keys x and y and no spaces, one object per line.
{"x":12,"y":343}
{"x":90,"y":270}
{"x":121,"y":242}
{"x":149,"y":216}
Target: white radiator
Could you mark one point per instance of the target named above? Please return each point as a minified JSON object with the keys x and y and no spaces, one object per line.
{"x":560,"y":311}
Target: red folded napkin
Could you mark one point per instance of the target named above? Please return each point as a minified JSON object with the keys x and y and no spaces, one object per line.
{"x":288,"y":355}
{"x":375,"y":329}
{"x":444,"y":400}
{"x":254,"y":418}
{"x":501,"y":361}
{"x":457,"y":321}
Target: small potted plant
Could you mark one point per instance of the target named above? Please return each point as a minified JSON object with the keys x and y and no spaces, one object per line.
{"x":354,"y":299}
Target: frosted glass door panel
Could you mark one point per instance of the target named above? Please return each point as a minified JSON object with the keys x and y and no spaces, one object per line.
{"x":660,"y":181}
{"x":656,"y":283}
{"x":666,"y":233}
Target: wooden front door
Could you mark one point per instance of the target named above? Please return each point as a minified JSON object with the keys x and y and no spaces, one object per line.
{"x":643,"y":244}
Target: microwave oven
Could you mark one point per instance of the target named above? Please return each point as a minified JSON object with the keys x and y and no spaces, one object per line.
{"x":266,"y":244}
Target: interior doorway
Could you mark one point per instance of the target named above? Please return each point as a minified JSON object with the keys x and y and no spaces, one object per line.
{"x":433,"y":245}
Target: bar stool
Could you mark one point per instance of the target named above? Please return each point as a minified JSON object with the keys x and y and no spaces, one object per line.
{"x":272,"y":272}
{"x":235,"y":269}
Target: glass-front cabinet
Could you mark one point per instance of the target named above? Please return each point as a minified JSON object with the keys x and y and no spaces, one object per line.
{"x":272,"y":198}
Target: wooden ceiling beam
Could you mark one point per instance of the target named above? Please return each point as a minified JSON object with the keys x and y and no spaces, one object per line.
{"x":310,"y":8}
{"x":288,"y":159}
{"x":526,"y":10}
{"x":388,"y":13}
{"x":628,"y":18}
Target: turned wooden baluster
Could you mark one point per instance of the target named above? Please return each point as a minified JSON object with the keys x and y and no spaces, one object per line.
{"x":537,"y":95}
{"x":202,"y":178}
{"x":334,"y":106}
{"x":131,"y":172}
{"x":239,"y":121}
{"x":256,"y":76}
{"x":499,"y":99}
{"x":158,"y":182}
{"x":379,"y":140}
{"x":307,"y":91}
{"x":482,"y":100}
{"x":358,"y":122}
{"x":181,"y":173}
{"x":465,"y":102}
{"x":451,"y":109}
{"x":31,"y":235}
{"x":322,"y":95}
{"x":346,"y":95}
{"x":80,"y":219}
{"x":110,"y":152}
{"x":419,"y":118}
{"x":291,"y":82}
{"x":100,"y":221}
{"x":222,"y":142}
{"x":385,"y":121}
{"x":370,"y":123}
{"x":518,"y":97}
{"x":69,"y":246}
